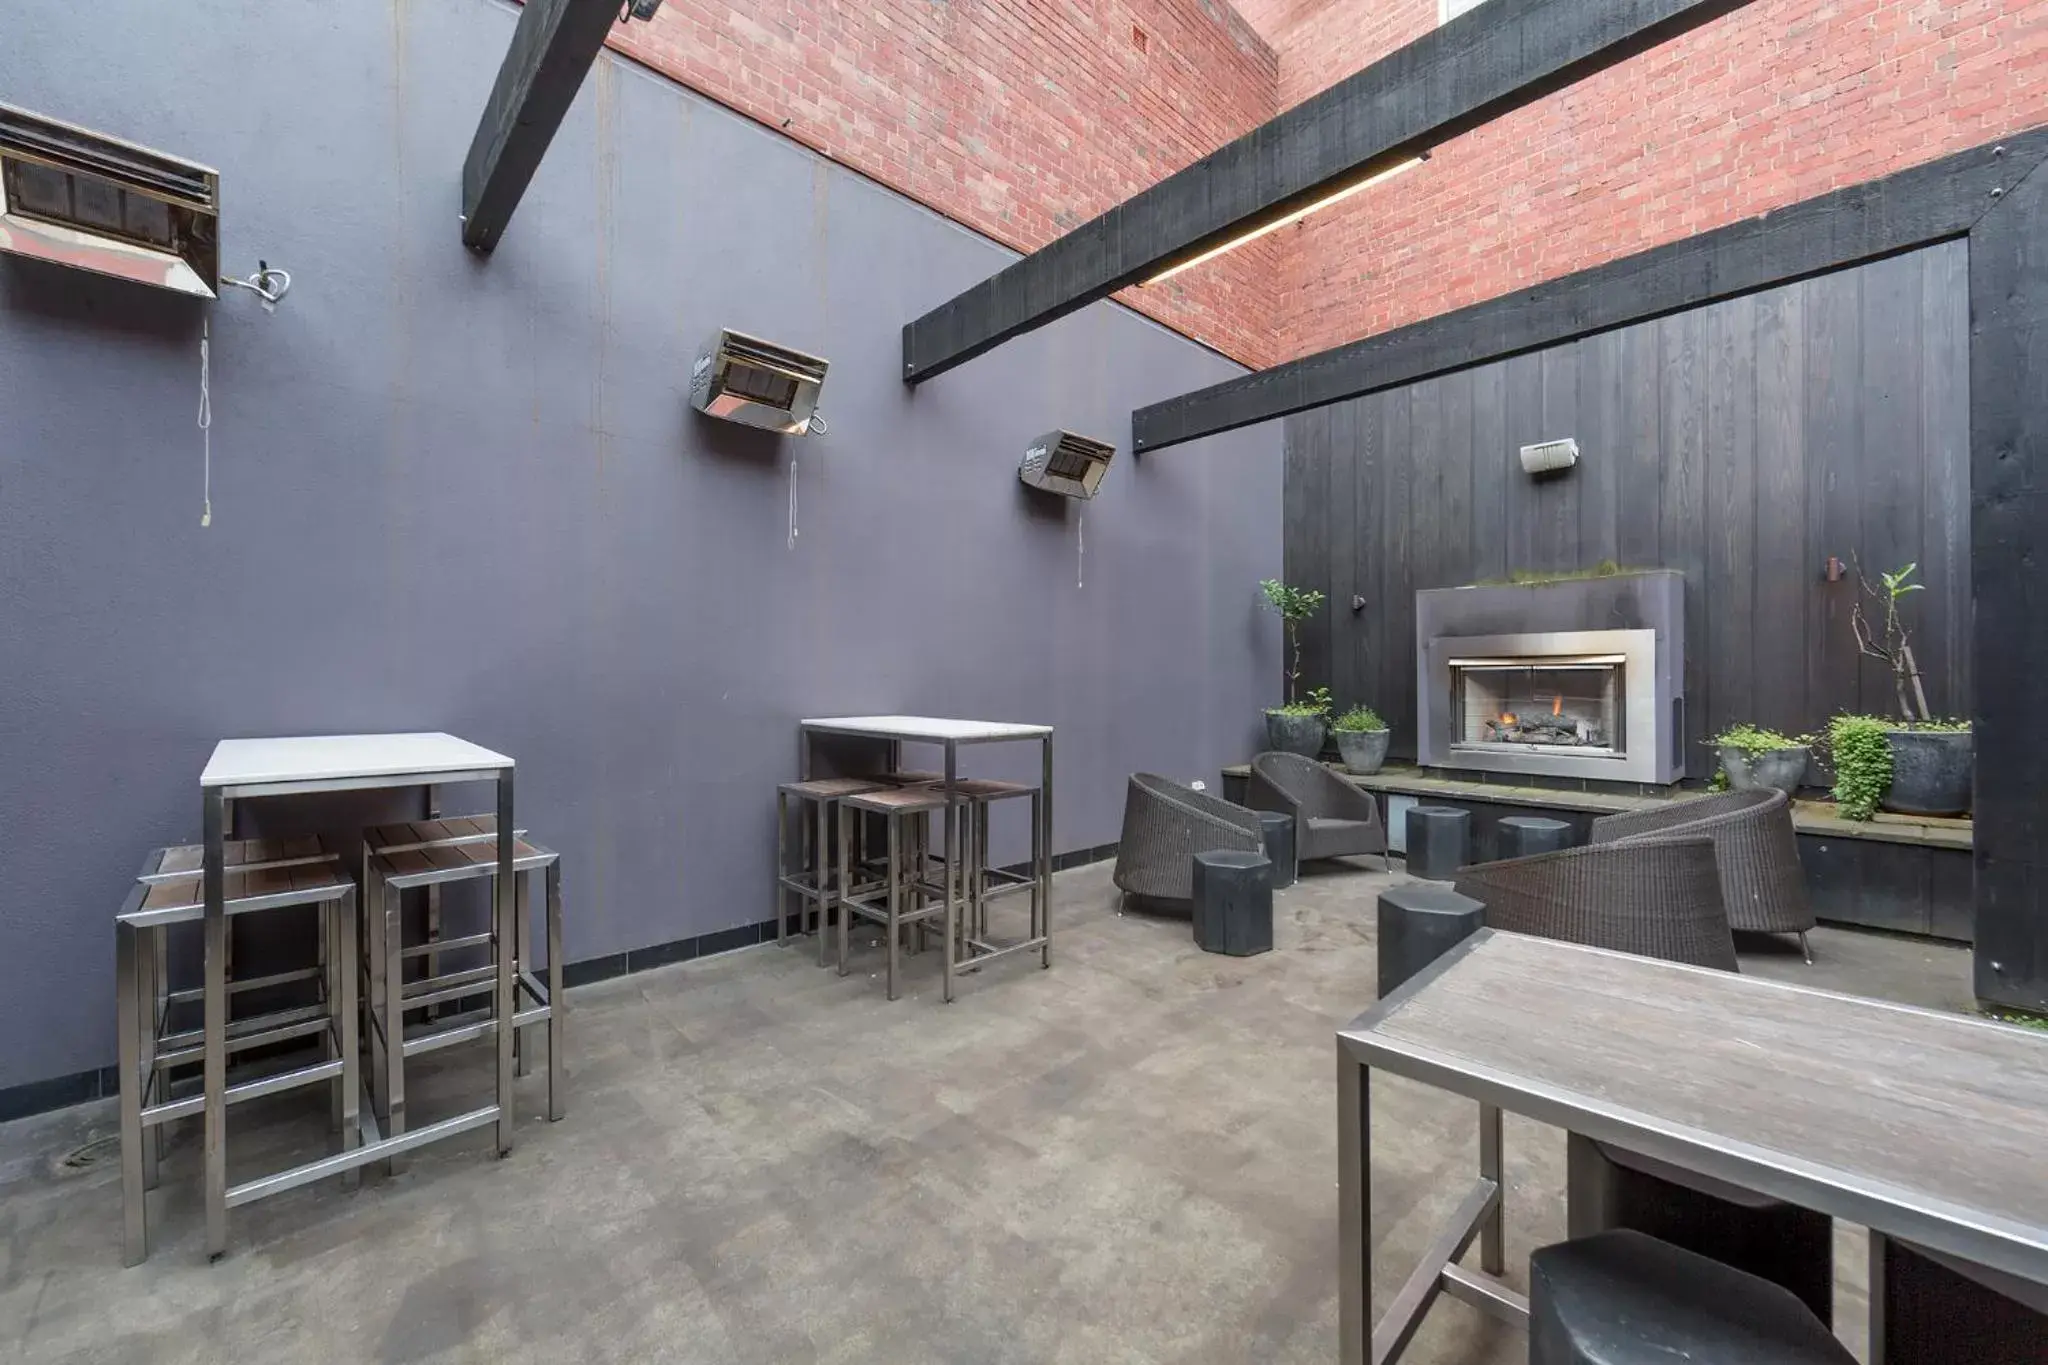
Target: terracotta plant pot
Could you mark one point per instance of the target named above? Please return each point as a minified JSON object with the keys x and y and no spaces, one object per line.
{"x":1363,"y":750}
{"x":1780,"y":768}
{"x":1292,"y":734}
{"x":1932,"y":771}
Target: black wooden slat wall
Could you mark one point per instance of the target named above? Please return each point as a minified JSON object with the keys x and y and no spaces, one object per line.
{"x":1743,"y":442}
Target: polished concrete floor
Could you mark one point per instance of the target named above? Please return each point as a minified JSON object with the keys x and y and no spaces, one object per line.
{"x":1128,"y":1158}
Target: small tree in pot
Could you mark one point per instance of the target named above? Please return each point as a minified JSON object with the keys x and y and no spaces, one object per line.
{"x":1301,"y":724}
{"x":1933,"y":761}
{"x":1362,"y":739}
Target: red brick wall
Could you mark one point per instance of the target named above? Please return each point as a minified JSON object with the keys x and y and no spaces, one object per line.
{"x":1019,"y":118}
{"x":1775,"y":103}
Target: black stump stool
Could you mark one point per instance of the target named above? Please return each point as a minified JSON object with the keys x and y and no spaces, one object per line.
{"x":1520,"y":835}
{"x":1626,"y":1299}
{"x":1418,"y":925}
{"x":1608,"y":1188}
{"x":1279,"y":833}
{"x":1233,"y":902}
{"x":1438,"y":837}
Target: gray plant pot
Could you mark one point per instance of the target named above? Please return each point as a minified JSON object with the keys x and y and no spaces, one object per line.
{"x":1780,"y":768}
{"x":1296,"y":734}
{"x":1363,"y":750}
{"x":1932,"y":771}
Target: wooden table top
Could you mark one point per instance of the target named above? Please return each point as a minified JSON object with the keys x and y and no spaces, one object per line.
{"x":1929,"y":1126}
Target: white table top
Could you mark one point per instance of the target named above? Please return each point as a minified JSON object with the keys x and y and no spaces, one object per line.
{"x":340,"y":758}
{"x":927,"y":728}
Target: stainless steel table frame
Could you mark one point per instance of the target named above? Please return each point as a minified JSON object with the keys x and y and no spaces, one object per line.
{"x":248,"y":769}
{"x":950,"y":735}
{"x":1919,"y":1125}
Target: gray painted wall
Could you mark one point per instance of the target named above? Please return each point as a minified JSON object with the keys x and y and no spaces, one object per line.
{"x":468,"y":495}
{"x":1743,"y":443}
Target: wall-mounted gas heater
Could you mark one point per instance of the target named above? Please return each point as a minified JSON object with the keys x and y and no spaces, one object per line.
{"x":1063,"y":463}
{"x":745,"y":379}
{"x":82,"y":199}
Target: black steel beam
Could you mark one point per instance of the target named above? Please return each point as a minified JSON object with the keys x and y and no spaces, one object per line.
{"x":1928,"y":203}
{"x":2009,"y":592}
{"x":1470,"y":71}
{"x":552,"y":49}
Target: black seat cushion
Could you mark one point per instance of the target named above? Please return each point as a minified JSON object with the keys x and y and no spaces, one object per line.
{"x":1621,"y":1298}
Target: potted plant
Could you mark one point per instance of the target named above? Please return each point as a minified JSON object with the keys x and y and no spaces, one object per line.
{"x":1752,"y":756}
{"x":1860,"y":752}
{"x":1301,"y":724}
{"x":1361,"y":739}
{"x":1933,"y":761}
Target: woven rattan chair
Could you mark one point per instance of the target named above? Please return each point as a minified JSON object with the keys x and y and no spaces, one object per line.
{"x":1332,"y":818}
{"x":1655,"y":897}
{"x":1754,"y":844}
{"x":1165,"y":826}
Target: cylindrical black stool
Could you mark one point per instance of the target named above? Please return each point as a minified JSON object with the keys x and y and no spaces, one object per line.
{"x":1418,"y":925}
{"x":1233,"y":902}
{"x":1279,"y":831}
{"x":1622,"y":1298}
{"x":1520,"y":835}
{"x":1608,"y":1187}
{"x":1438,"y":837}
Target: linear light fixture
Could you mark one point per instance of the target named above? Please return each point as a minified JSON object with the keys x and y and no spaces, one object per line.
{"x":1384,"y":173}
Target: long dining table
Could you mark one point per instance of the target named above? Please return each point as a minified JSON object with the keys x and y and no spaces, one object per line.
{"x":1926,"y":1127}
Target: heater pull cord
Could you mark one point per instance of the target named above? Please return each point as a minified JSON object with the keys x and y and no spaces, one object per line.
{"x":206,"y":424}
{"x":1081,"y":547}
{"x":792,"y":499}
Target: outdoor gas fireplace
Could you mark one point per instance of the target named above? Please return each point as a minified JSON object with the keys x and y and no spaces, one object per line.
{"x":1500,"y":692}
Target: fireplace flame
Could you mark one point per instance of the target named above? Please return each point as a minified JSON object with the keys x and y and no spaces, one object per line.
{"x":1557,"y":705}
{"x":1507,"y":718}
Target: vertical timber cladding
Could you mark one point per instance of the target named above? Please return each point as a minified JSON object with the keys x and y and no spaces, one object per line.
{"x":1742,"y":442}
{"x":2009,"y":555}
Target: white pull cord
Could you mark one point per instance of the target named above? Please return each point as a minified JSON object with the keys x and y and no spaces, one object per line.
{"x":792,"y":499}
{"x":1080,"y":546}
{"x":206,"y":423}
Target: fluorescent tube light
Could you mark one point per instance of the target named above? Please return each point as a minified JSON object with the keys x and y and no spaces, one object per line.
{"x":1234,"y":243}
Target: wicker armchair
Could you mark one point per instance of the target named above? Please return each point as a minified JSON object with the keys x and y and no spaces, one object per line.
{"x":1655,"y":897}
{"x":1754,"y":844}
{"x":1332,"y":818}
{"x":1165,"y":826}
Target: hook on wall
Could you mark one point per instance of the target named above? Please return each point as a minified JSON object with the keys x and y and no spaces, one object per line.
{"x":266,"y":284}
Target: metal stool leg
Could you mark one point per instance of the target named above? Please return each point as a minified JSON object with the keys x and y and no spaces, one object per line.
{"x":844,"y":839}
{"x":372,"y":968}
{"x":522,"y":960}
{"x":895,"y":897}
{"x":781,"y":868}
{"x":558,"y":1004}
{"x":394,"y":1022}
{"x":825,"y":863}
{"x":154,"y":953}
{"x":128,"y":1007}
{"x":343,"y":1012}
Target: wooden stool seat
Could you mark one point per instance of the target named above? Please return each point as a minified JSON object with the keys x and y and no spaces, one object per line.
{"x":898,"y":801}
{"x":830,"y":788}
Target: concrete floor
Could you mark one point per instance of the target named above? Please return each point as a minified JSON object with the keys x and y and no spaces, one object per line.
{"x":1128,"y":1158}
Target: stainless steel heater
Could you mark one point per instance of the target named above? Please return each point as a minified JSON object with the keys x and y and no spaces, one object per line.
{"x":744,"y":379}
{"x":79,"y":198}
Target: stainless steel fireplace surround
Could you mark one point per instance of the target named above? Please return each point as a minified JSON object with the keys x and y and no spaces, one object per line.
{"x":1582,"y":678}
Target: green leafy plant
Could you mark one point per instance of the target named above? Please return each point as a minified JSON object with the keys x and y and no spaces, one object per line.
{"x":1295,"y":606}
{"x":1359,"y":720}
{"x":1316,"y":703}
{"x":2024,"y":1018}
{"x":1892,"y":642}
{"x":1754,"y":740}
{"x":1530,"y":578}
{"x":1862,"y":758}
{"x":1941,"y":725}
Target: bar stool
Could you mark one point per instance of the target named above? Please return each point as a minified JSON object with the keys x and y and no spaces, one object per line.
{"x":812,"y":881}
{"x":260,"y":874}
{"x":985,"y":883}
{"x":427,"y":853}
{"x":905,"y":812}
